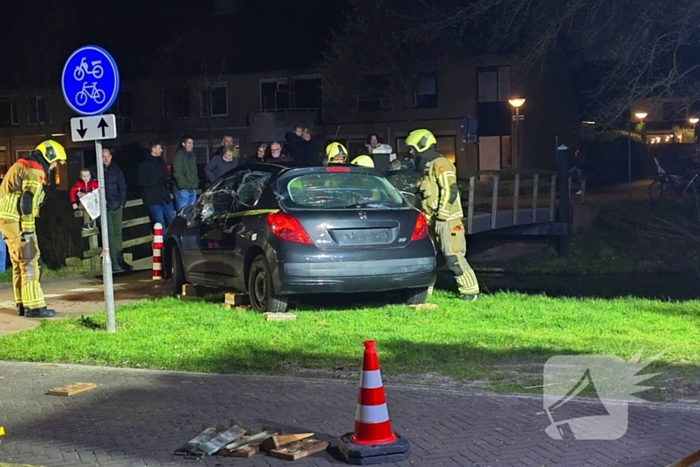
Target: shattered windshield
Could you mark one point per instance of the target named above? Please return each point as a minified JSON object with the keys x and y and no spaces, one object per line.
{"x":339,"y":190}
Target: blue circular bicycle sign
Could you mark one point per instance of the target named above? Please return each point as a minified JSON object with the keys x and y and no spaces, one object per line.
{"x":90,"y":80}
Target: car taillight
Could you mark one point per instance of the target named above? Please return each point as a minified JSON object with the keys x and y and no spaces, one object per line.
{"x":287,"y":228}
{"x":420,"y":231}
{"x":337,"y":169}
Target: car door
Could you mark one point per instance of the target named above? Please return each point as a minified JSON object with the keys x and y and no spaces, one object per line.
{"x":240,"y":228}
{"x":206,"y":259}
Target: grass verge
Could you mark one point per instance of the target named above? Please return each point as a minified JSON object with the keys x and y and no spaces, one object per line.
{"x":500,"y":342}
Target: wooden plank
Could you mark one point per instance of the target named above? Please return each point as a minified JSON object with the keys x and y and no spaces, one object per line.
{"x":535,"y":191}
{"x":71,"y":389}
{"x":687,"y":461}
{"x":494,"y":201}
{"x":137,"y":241}
{"x":245,"y":441}
{"x":135,"y":222}
{"x":279,"y":316}
{"x":552,"y":197}
{"x":276,"y":442}
{"x":424,"y":306}
{"x":237,"y":299}
{"x":133,"y":202}
{"x":189,"y":290}
{"x":300,"y":449}
{"x":470,"y":206}
{"x":250,"y":451}
{"x":516,"y":198}
{"x":89,"y":233}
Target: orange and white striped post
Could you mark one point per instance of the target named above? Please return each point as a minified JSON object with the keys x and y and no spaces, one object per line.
{"x":157,"y":252}
{"x":372,"y":424}
{"x":373,"y":441}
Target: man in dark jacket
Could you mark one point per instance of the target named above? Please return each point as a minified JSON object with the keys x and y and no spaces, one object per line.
{"x":219,"y":165}
{"x":301,"y":147}
{"x":152,"y":177}
{"x":115,"y":192}
{"x":185,"y":173}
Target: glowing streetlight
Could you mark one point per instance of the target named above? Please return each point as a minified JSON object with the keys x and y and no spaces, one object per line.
{"x":641,"y":115}
{"x":517,"y":103}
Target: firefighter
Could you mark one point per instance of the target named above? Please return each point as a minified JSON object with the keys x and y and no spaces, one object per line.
{"x":441,"y":204}
{"x":21,"y":195}
{"x":337,"y":154}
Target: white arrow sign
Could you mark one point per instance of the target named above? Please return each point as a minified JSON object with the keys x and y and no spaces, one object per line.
{"x":94,"y":128}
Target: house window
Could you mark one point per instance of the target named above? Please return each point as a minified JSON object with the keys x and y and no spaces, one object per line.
{"x":36,"y":110}
{"x":274,"y":94}
{"x":674,"y":111}
{"x":375,"y":93}
{"x":123,"y":110}
{"x":9,"y":115}
{"x":426,"y":93}
{"x":22,"y":154}
{"x":308,"y":92}
{"x":494,"y":84}
{"x":176,"y":103}
{"x":213,"y":100}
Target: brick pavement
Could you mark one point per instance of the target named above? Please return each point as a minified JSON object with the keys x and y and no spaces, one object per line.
{"x":139,"y":417}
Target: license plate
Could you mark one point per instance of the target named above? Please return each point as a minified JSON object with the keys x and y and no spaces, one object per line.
{"x":363,"y":237}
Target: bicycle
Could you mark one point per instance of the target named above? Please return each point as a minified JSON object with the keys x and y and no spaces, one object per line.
{"x":674,"y":187}
{"x":90,"y":91}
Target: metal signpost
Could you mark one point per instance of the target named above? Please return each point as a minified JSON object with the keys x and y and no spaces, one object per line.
{"x":90,"y":84}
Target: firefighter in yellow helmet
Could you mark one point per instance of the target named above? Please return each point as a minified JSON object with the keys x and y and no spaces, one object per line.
{"x":21,"y":194}
{"x":336,"y":154}
{"x":443,"y":208}
{"x":364,"y":161}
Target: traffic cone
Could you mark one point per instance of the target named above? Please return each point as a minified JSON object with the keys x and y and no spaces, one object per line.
{"x":373,"y":441}
{"x":157,"y":251}
{"x":372,"y":424}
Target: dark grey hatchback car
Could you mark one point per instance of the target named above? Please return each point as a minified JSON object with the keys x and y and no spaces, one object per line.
{"x":274,"y":231}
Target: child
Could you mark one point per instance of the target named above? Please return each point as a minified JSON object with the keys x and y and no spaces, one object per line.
{"x":81,"y":188}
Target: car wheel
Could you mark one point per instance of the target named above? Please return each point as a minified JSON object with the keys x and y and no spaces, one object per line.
{"x":261,"y":291}
{"x":416,"y":296}
{"x":177,"y":271}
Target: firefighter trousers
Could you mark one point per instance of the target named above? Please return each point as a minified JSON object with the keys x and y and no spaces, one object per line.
{"x":452,"y":241}
{"x":25,"y":266}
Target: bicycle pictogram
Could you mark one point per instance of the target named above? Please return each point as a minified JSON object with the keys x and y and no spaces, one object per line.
{"x":82,"y":70}
{"x":89,"y":91}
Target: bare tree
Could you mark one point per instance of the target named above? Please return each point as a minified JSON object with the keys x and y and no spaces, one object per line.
{"x":202,"y":54}
{"x":376,"y":41}
{"x":638,"y":49}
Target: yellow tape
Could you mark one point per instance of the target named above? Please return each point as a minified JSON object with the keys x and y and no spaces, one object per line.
{"x":254,"y":212}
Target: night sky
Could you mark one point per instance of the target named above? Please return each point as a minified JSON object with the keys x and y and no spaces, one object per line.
{"x":263,"y":34}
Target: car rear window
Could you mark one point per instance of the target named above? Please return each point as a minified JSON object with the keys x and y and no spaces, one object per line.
{"x":340,"y":190}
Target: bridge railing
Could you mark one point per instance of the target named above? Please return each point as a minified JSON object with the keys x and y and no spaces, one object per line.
{"x":494,"y":191}
{"x":92,"y":254}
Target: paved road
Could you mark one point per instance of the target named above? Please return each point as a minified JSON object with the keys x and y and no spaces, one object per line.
{"x":138,"y":418}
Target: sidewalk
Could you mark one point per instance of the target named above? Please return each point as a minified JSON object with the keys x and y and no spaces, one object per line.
{"x":139,"y":417}
{"x":79,"y":295}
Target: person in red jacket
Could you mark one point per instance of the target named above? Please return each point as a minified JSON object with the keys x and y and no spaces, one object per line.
{"x":81,"y":188}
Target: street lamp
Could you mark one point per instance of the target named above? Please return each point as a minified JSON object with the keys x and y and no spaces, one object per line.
{"x":517,"y":103}
{"x":641,"y":116}
{"x":693,"y":121}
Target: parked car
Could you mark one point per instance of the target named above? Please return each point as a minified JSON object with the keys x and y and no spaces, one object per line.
{"x":274,"y":231}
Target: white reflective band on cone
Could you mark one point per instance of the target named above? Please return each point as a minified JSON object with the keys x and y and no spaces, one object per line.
{"x":372,"y":413}
{"x":157,"y":252}
{"x":371,"y":379}
{"x":157,"y":239}
{"x":157,"y":266}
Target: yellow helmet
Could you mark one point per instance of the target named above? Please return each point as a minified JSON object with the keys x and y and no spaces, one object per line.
{"x":52,"y":151}
{"x":364,"y":161}
{"x":420,"y":140}
{"x":334,"y":150}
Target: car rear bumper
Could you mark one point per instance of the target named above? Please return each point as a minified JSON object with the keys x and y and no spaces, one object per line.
{"x":356,"y":276}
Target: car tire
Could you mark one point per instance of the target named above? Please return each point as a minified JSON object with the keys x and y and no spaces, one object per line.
{"x":261,"y":291}
{"x":416,"y":296}
{"x":177,"y":271}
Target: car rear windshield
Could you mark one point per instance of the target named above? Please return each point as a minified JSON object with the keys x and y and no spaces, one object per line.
{"x":339,"y":190}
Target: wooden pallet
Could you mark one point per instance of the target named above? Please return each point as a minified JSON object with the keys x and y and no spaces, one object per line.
{"x":279,"y":316}
{"x":71,"y":389}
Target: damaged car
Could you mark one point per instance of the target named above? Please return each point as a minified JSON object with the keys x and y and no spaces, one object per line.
{"x":273,"y":232}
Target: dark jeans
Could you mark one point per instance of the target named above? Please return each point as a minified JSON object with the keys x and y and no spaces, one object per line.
{"x":114,"y":227}
{"x":163,"y":214}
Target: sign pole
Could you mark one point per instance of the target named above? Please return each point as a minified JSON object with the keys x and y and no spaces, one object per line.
{"x":106,"y":257}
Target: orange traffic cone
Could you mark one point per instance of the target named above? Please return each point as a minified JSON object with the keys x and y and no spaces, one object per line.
{"x":373,"y":441}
